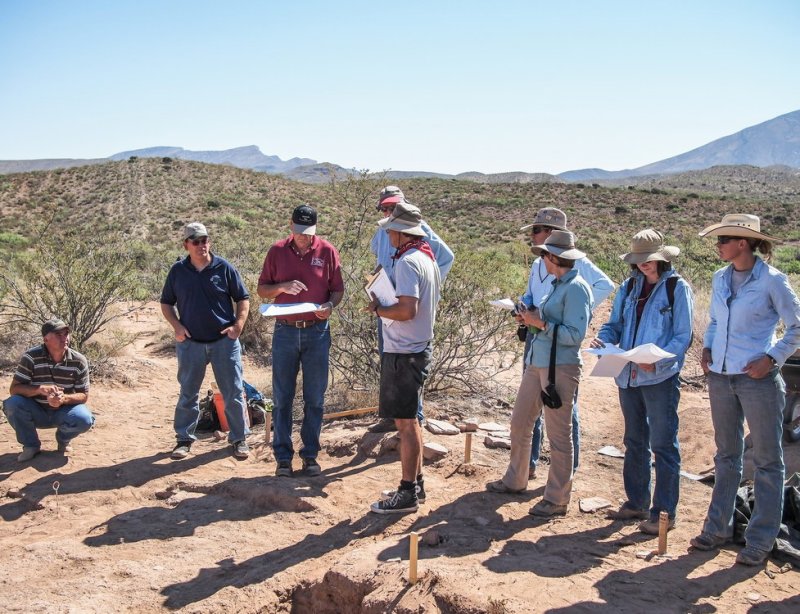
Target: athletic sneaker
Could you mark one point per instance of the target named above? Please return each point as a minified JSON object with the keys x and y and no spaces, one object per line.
{"x":284,"y":469}
{"x":181,"y":450}
{"x":240,"y":449}
{"x":402,"y":502}
{"x":419,"y":488}
{"x":311,"y":467}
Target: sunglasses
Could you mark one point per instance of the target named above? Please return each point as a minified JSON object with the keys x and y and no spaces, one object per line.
{"x":535,"y":230}
{"x":385,"y":208}
{"x":726,"y":240}
{"x":200,"y":241}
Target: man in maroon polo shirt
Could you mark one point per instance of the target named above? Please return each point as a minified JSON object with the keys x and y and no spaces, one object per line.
{"x":303,"y":268}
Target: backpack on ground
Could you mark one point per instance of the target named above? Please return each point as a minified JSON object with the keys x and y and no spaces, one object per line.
{"x":209,"y":421}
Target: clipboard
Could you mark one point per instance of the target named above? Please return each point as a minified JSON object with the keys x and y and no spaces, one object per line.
{"x":379,"y":284}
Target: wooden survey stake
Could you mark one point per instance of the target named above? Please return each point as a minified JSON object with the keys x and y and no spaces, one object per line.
{"x":663,"y":527}
{"x":468,"y":449}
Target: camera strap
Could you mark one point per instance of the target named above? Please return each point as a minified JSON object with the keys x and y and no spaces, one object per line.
{"x":551,"y":374}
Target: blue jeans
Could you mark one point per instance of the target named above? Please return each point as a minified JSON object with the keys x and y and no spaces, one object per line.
{"x":734,"y":399}
{"x":225,"y":357}
{"x":420,"y":415}
{"x":292,"y":348}
{"x":651,"y":426}
{"x":25,"y":415}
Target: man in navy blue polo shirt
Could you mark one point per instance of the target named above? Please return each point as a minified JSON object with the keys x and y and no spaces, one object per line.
{"x":212,"y":306}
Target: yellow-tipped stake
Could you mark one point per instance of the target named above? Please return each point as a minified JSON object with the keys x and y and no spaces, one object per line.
{"x":413,"y":547}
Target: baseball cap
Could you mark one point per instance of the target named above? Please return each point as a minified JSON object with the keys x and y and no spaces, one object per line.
{"x":304,"y":220}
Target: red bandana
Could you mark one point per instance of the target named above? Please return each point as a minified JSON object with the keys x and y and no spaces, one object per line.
{"x":419,"y":244}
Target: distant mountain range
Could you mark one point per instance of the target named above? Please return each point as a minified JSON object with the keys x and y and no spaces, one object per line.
{"x":772,"y":143}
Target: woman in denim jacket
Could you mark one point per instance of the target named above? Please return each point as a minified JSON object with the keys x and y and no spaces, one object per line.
{"x":653,"y":306}
{"x":742,"y":358}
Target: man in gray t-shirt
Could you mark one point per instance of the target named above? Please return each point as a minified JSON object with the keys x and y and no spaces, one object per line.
{"x":407,"y":338}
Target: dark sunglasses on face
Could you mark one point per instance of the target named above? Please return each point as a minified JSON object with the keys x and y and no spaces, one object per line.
{"x":726,"y":240}
{"x":538,"y":229}
{"x":386,"y":208}
{"x":200,"y":241}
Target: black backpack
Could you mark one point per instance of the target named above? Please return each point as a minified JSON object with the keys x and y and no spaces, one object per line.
{"x":209,"y":421}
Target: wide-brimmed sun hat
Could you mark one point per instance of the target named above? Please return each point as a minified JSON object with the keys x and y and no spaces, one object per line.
{"x":649,"y":245}
{"x":550,"y":217}
{"x":737,"y":225}
{"x":405,"y":218}
{"x":560,"y":243}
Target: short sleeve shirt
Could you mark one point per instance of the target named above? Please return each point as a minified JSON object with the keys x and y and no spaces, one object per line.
{"x":37,"y":368}
{"x":319,"y":269}
{"x":417,"y":275}
{"x":205,"y":299}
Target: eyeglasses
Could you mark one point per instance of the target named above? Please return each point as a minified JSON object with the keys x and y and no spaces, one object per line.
{"x":386,"y":208}
{"x":200,"y":241}
{"x":539,"y":229}
{"x":726,"y":240}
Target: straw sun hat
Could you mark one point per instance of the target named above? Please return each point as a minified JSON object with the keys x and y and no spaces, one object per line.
{"x":737,"y":225}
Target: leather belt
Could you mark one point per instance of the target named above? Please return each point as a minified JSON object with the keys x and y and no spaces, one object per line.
{"x":298,"y":323}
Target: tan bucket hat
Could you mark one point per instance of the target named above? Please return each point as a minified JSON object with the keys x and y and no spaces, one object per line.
{"x":560,"y":243}
{"x":737,"y":225}
{"x":405,"y":218}
{"x":649,"y":245}
{"x":549,"y":216}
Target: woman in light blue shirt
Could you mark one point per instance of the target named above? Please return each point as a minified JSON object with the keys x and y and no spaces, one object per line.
{"x":562,"y":317}
{"x":654,"y":305}
{"x":742,"y":358}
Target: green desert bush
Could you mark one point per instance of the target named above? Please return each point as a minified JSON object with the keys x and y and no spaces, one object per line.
{"x":77,"y":279}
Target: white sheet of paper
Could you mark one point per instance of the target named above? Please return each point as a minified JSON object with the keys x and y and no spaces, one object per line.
{"x":271,"y":310}
{"x":382,"y":287}
{"x":612,"y":359}
{"x":503,"y":303}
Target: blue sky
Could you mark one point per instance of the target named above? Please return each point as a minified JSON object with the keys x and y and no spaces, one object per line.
{"x":447,"y":86}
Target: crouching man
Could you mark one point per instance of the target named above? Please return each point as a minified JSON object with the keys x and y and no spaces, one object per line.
{"x":407,"y":343}
{"x":49,"y":390}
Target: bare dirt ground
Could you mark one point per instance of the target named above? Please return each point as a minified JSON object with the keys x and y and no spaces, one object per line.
{"x":118,"y":526}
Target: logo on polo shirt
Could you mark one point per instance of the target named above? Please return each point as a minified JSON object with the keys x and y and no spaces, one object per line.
{"x":317,"y":262}
{"x":218,"y":283}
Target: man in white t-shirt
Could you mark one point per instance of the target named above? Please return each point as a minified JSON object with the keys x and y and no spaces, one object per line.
{"x":407,"y":338}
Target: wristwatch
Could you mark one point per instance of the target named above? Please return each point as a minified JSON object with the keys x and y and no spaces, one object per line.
{"x":774,"y":362}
